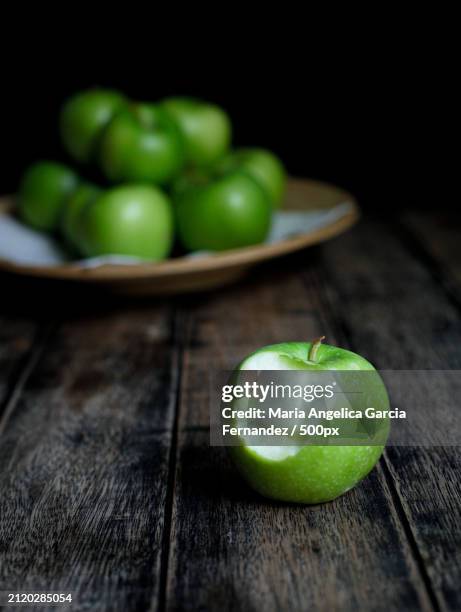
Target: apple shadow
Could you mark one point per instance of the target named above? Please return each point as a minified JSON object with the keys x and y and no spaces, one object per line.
{"x":207,"y":475}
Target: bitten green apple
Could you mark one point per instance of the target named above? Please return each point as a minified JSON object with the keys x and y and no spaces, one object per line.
{"x":43,"y":192}
{"x":221,"y":212}
{"x":72,"y":212}
{"x":83,"y":119}
{"x":206,"y":129}
{"x":141,"y":144}
{"x":131,"y":220}
{"x":306,"y":473}
{"x":262,"y":165}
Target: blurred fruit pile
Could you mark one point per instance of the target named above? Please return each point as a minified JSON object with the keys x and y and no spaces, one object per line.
{"x":165,"y":172}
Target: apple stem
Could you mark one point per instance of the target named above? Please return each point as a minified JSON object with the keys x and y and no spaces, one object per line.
{"x":314,"y":348}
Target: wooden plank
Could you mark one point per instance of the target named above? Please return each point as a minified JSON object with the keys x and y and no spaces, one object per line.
{"x":17,"y":337}
{"x":391,"y":309}
{"x":438,"y":234}
{"x":84,"y":463}
{"x":233,"y":550}
{"x":388,"y":301}
{"x":223,"y":327}
{"x":230,"y":549}
{"x":428,"y":483}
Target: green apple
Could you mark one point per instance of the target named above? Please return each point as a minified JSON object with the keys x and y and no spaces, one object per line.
{"x":264,"y":166}
{"x":306,"y":473}
{"x":72,"y":212}
{"x":221,"y":212}
{"x":141,"y":144}
{"x":206,"y":129}
{"x":83,"y":119}
{"x":43,"y":192}
{"x":134,"y":220}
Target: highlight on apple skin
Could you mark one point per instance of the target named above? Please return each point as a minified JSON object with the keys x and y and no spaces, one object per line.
{"x":141,"y":144}
{"x":302,"y":473}
{"x":132,"y":220}
{"x":222,"y":212}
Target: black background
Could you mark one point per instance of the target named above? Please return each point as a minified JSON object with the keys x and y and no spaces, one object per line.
{"x":377,"y":119}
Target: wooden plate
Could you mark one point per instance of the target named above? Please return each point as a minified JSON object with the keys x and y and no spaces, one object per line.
{"x":181,"y":274}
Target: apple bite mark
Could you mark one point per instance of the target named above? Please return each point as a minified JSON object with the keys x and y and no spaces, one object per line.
{"x":297,"y":356}
{"x":266,"y":361}
{"x":275,"y":453}
{"x":278,"y":361}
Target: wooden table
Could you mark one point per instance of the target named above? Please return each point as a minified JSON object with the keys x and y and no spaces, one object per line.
{"x":108,"y":486}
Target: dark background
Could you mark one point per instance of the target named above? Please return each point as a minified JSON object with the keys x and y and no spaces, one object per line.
{"x":377,"y":120}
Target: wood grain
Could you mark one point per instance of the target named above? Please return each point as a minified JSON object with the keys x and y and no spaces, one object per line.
{"x":391,"y":309}
{"x":437,"y":235}
{"x":19,"y":339}
{"x":231,"y":549}
{"x":109,"y":488}
{"x":221,"y":328}
{"x":84,"y":463}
